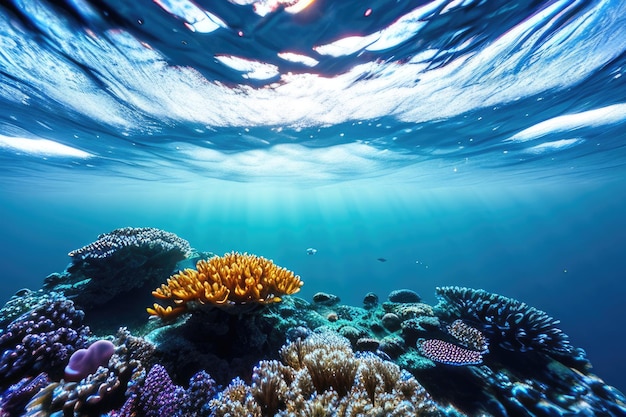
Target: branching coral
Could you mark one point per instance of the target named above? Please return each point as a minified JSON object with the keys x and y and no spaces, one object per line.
{"x":512,"y":324}
{"x":322,"y":376}
{"x":232,"y":279}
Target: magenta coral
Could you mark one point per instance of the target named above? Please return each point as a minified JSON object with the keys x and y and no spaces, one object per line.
{"x":85,"y":362}
{"x":448,"y":353}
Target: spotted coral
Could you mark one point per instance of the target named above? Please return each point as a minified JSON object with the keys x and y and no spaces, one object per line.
{"x":448,"y":353}
{"x":469,"y":336}
{"x":233,"y":279}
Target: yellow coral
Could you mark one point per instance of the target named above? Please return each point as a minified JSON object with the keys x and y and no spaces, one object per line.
{"x":234,"y":278}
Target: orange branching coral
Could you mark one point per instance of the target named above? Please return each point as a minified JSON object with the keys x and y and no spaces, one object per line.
{"x":234,"y":278}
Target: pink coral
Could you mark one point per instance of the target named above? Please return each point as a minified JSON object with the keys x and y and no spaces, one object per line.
{"x":86,"y":361}
{"x":448,"y":353}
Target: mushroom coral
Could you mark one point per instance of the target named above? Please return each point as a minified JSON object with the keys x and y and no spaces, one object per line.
{"x":231,"y":279}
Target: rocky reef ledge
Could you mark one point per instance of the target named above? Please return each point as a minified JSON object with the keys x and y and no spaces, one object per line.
{"x":234,"y":340}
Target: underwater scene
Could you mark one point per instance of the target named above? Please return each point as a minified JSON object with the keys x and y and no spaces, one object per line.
{"x":312,"y":208}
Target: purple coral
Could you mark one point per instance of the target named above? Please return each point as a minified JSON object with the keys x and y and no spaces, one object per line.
{"x":84,"y":362}
{"x":448,"y":353}
{"x":201,"y":389}
{"x":145,"y":237}
{"x":13,"y":400}
{"x":41,"y":340}
{"x":159,"y":396}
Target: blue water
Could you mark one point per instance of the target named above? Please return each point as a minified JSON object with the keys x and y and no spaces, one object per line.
{"x":474,"y":143}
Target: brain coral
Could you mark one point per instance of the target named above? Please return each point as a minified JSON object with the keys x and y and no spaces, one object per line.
{"x":232,"y":279}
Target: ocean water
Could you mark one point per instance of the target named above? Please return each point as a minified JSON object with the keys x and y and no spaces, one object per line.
{"x":413,"y":144}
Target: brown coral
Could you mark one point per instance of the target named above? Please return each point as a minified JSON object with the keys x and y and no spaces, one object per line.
{"x":321,"y":376}
{"x":469,"y":336}
{"x":234,"y":278}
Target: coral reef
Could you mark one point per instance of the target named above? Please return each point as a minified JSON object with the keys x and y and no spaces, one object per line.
{"x":233,"y":279}
{"x":243,"y":353}
{"x":158,"y":396}
{"x":108,"y":244}
{"x":321,"y":375}
{"x":86,"y":361}
{"x":24,"y":300}
{"x":511,"y":324}
{"x":41,"y":340}
{"x":121,"y":265}
{"x":223,"y":344}
{"x":97,"y":393}
{"x":15,"y":398}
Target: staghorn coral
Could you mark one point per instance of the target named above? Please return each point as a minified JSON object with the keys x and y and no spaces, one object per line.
{"x":514,"y":325}
{"x":233,"y":279}
{"x":468,"y":336}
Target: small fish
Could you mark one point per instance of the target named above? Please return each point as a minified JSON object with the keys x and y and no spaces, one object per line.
{"x":381,"y":260}
{"x":311,"y":251}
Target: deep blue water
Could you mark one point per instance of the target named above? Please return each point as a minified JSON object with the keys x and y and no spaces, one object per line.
{"x":473,"y":143}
